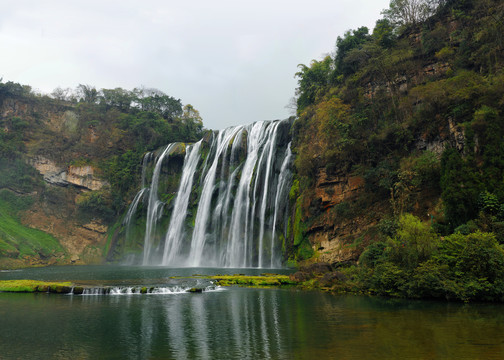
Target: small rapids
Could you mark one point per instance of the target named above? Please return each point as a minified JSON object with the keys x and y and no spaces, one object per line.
{"x":153,"y":290}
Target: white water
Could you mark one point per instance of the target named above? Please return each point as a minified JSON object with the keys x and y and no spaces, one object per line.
{"x":137,"y":290}
{"x":175,"y":231}
{"x":154,"y":206}
{"x":281,"y":196}
{"x":238,"y":181}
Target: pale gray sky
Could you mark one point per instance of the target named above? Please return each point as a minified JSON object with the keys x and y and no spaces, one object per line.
{"x":234,"y":61}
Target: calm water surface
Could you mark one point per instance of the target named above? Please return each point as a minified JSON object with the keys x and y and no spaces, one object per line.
{"x":234,"y":323}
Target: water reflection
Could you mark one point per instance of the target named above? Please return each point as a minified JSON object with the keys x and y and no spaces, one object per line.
{"x":245,"y":324}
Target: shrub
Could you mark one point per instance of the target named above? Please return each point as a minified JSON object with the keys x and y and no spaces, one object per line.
{"x":373,"y":254}
{"x":414,"y":243}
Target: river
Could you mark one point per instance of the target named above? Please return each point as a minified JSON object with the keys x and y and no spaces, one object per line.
{"x":233,"y":322}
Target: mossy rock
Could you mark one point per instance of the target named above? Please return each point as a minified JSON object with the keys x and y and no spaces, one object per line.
{"x":195,"y":290}
{"x":78,"y":290}
{"x":60,"y":289}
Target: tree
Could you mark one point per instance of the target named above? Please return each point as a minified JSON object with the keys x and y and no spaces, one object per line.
{"x":191,"y":121}
{"x":409,"y":12}
{"x":87,"y":93}
{"x":13,"y":89}
{"x":118,"y":98}
{"x":155,"y":100}
{"x":353,"y":39}
{"x":384,"y":33}
{"x":61,"y":94}
{"x":312,"y":80}
{"x":414,"y":242}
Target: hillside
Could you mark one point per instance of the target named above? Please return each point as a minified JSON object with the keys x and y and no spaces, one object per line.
{"x":70,"y":164}
{"x":400,"y":160}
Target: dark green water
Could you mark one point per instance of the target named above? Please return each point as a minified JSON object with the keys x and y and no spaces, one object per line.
{"x":235,"y":323}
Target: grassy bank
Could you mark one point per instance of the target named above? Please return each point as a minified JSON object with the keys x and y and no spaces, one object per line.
{"x":18,"y":241}
{"x":35,"y":286}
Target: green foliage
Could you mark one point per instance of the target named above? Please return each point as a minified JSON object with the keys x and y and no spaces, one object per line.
{"x":95,"y":204}
{"x":373,"y":254}
{"x":153,"y":100}
{"x":386,"y":279}
{"x":434,"y":40}
{"x":384,"y":33}
{"x":298,"y":224}
{"x":122,"y":171}
{"x":118,"y":98}
{"x":353,"y":39}
{"x":460,"y":188}
{"x":481,"y":257}
{"x":417,"y":263}
{"x":294,"y":191}
{"x":16,"y":174}
{"x":413,"y":244}
{"x":430,"y":280}
{"x":312,"y":81}
{"x":12,"y":89}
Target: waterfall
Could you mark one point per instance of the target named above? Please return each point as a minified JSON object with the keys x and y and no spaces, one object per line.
{"x":204,"y":208}
{"x":281,"y":196}
{"x":154,"y":205}
{"x":130,"y":214}
{"x":175,"y":231}
{"x":230,"y":204}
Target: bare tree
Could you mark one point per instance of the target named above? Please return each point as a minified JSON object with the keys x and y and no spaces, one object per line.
{"x":410,"y":12}
{"x":61,"y":94}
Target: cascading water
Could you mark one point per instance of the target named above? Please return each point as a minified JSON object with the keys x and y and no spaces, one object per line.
{"x":154,"y":206}
{"x":175,"y":232}
{"x":231,"y":205}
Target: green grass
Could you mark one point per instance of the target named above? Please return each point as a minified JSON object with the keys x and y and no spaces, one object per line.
{"x":18,"y":241}
{"x":34,"y":286}
{"x":253,"y":281}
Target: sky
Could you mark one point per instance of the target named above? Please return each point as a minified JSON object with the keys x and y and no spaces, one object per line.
{"x":234,"y":61}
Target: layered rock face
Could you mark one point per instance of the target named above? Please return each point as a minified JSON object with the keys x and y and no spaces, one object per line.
{"x":329,"y":234}
{"x":80,"y":176}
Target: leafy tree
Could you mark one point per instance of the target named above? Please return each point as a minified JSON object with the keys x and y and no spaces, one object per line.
{"x":191,"y":122}
{"x":353,"y":39}
{"x":157,"y":101}
{"x":118,"y":98}
{"x":414,"y":242}
{"x":384,"y":33}
{"x":313,"y":80}
{"x":12,"y":89}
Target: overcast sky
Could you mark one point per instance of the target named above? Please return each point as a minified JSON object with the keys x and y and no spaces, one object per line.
{"x":234,"y":61}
